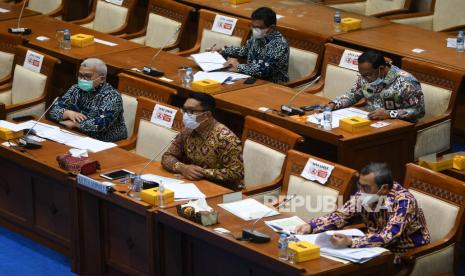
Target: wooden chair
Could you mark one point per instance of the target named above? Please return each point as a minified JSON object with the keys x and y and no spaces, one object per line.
{"x":109,"y":18}
{"x":28,"y":91}
{"x":51,"y":8}
{"x":164,"y":17}
{"x":375,"y":8}
{"x":265,"y":147}
{"x":305,"y":54}
{"x":132,"y":87}
{"x":206,"y":38}
{"x":340,"y":183}
{"x":445,"y":16}
{"x":442,"y":199}
{"x":334,"y":80}
{"x":440,"y":86}
{"x":150,"y":138}
{"x":8,"y":43}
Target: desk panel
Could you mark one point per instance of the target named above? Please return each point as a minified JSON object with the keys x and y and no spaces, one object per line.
{"x":14,"y":11}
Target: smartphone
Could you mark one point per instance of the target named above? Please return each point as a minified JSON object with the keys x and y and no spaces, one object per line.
{"x":23,"y":118}
{"x":116,"y":174}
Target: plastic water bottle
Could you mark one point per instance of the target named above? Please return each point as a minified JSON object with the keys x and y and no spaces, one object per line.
{"x":136,"y":187}
{"x":337,"y":22}
{"x":460,"y":42}
{"x":327,"y":118}
{"x":66,"y":39}
{"x":282,"y":247}
{"x":188,"y":77}
{"x":161,"y":189}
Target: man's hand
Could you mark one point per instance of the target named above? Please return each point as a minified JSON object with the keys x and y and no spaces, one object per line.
{"x":70,"y":124}
{"x":303,"y":229}
{"x":192,"y":172}
{"x":379,"y":114}
{"x":232,"y":64}
{"x":74,"y":116}
{"x":341,"y":240}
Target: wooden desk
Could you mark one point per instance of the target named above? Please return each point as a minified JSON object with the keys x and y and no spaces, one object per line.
{"x":392,"y":144}
{"x":122,"y":237}
{"x":166,"y":62}
{"x":71,"y":59}
{"x":208,"y":253}
{"x":14,"y":11}
{"x":299,"y":14}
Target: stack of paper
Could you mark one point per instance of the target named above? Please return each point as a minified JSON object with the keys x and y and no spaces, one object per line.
{"x":286,"y":225}
{"x":355,"y":255}
{"x":90,"y":144}
{"x":338,"y":115}
{"x":183,"y":191}
{"x":209,"y":61}
{"x":248,"y":209}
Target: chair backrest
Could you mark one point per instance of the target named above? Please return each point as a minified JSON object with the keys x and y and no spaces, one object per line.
{"x":8,"y":43}
{"x":337,"y":80}
{"x":442,"y":199}
{"x":152,"y":138}
{"x":110,"y":17}
{"x":132,"y":87}
{"x":207,"y":38}
{"x":24,"y":79}
{"x":44,"y":6}
{"x":448,"y":14}
{"x":306,"y":52}
{"x":163,"y":19}
{"x":313,"y":198}
{"x":265,"y":149}
{"x":380,"y":6}
{"x":440,"y":85}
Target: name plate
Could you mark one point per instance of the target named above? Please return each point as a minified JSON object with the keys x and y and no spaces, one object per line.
{"x":101,"y":187}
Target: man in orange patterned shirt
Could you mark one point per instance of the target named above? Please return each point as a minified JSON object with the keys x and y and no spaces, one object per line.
{"x":205,"y":148}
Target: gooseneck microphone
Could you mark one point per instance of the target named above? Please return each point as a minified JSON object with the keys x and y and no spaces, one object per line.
{"x":288,"y":109}
{"x":18,"y":29}
{"x":149,"y":70}
{"x":258,"y":237}
{"x":28,"y":142}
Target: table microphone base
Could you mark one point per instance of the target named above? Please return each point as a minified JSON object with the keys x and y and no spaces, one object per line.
{"x":28,"y":143}
{"x":290,"y":110}
{"x":254,"y":236}
{"x":154,"y":72}
{"x":24,"y":31}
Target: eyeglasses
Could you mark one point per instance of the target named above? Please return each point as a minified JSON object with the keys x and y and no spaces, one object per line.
{"x":372,"y":74}
{"x":365,"y":188}
{"x":85,"y":76}
{"x":191,"y":111}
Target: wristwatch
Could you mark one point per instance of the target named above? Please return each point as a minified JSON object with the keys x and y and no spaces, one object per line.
{"x":393,"y":114}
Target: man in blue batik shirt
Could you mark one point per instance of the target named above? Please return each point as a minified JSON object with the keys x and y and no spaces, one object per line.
{"x":267,"y":51}
{"x":92,"y":105}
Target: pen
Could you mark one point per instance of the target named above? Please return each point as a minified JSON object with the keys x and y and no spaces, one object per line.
{"x":212,"y":47}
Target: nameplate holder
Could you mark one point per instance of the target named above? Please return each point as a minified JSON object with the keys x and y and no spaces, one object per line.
{"x":101,"y":187}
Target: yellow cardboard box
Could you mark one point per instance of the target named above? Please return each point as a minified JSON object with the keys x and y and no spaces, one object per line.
{"x":237,"y":2}
{"x":82,"y":40}
{"x":458,"y":162}
{"x":152,"y":196}
{"x":304,"y":251}
{"x":437,"y":165}
{"x":354,"y":124}
{"x":206,"y":86}
{"x":350,"y":24}
{"x":7,"y":134}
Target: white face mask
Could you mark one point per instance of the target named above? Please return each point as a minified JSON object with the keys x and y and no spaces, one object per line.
{"x":259,"y":33}
{"x":190,"y":121}
{"x":368,"y":199}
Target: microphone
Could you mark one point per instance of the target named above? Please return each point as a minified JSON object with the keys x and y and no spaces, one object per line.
{"x":290,"y":110}
{"x":26,"y":141}
{"x":149,"y":70}
{"x":255,"y":236}
{"x":19,"y":30}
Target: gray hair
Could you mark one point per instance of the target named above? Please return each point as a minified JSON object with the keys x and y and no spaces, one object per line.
{"x":382,"y":171}
{"x":96,"y":63}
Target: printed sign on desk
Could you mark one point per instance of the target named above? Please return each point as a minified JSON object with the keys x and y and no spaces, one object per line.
{"x":224,"y":24}
{"x":349,"y":60}
{"x":317,"y":170}
{"x":163,"y":116}
{"x":33,"y":61}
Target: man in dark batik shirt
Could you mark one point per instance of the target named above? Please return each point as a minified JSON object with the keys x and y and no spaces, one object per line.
{"x":267,"y":51}
{"x":92,"y":105}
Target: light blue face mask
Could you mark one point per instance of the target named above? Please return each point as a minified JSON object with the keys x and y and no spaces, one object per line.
{"x":86,"y":85}
{"x":190,"y":121}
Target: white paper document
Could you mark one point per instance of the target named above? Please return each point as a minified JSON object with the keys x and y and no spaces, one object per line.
{"x":11,"y":126}
{"x":158,"y":179}
{"x":90,"y":144}
{"x":4,"y":10}
{"x":220,"y":77}
{"x":286,"y":225}
{"x":104,"y":42}
{"x":41,"y":129}
{"x":248,"y":209}
{"x":184,"y":191}
{"x":209,"y":61}
{"x":338,"y":115}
